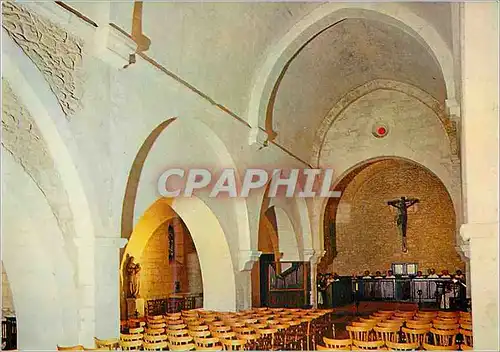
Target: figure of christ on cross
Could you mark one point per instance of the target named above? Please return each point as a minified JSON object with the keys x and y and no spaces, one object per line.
{"x":402,"y":206}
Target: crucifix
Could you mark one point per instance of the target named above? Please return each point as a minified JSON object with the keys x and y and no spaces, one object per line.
{"x":402,"y":206}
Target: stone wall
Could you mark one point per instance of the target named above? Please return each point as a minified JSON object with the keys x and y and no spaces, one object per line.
{"x":158,"y":274}
{"x":366,"y":233}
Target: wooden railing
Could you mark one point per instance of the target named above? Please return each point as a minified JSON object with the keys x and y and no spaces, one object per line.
{"x":417,"y":290}
{"x":174,"y":303}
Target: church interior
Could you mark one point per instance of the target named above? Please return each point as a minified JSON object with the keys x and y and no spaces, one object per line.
{"x":399,"y":99}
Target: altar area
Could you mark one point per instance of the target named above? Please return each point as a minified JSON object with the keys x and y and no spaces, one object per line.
{"x":424,"y":292}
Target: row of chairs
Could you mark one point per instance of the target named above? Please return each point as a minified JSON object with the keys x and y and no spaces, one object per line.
{"x":197,"y":329}
{"x":413,"y":328}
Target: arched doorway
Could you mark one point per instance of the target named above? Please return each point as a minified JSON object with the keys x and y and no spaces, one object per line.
{"x":193,"y":262}
{"x":360,"y":229}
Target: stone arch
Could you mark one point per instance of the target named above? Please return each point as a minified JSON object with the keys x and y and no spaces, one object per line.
{"x":130,"y":210}
{"x":30,"y":86}
{"x":345,"y":178}
{"x":280,"y":56}
{"x":382,"y":84}
{"x":36,"y":95}
{"x":40,"y":271}
{"x":432,"y":169}
{"x":213,"y":251}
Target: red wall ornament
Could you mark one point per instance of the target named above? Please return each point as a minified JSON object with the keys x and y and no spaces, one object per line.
{"x":380,"y":130}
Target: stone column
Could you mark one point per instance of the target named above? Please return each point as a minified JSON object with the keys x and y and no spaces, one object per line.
{"x":479,"y":39}
{"x":86,"y":290}
{"x":246,"y":260}
{"x":107,"y":290}
{"x":313,"y":257}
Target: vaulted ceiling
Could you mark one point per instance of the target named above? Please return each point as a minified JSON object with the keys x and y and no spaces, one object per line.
{"x":219,"y":47}
{"x":347,"y":55}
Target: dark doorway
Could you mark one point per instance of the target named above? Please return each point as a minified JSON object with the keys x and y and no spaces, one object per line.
{"x":264,"y":261}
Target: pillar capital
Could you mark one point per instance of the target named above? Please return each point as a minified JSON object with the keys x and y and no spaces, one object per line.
{"x":452,"y":107}
{"x":313,"y":256}
{"x":247,"y":258}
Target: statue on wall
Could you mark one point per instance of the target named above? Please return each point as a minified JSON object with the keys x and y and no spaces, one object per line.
{"x":133,"y":270}
{"x":402,"y":206}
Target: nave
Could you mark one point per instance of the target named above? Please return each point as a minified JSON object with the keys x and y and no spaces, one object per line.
{"x":130,"y":130}
{"x":282,"y":329}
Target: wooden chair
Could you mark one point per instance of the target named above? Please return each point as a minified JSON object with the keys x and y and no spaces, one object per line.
{"x":155,"y":318}
{"x":390,"y":324}
{"x":445,"y":314}
{"x":70,"y":348}
{"x":178,"y":333}
{"x":131,"y":337}
{"x":362,"y":324}
{"x":369,"y":345}
{"x":155,"y":325}
{"x":244,"y":331}
{"x":207,"y":342}
{"x":429,"y":347}
{"x":401,"y":319}
{"x":155,"y":338}
{"x":130,"y":345}
{"x":419,"y":325}
{"x":182,"y":340}
{"x":415,"y":335}
{"x":109,"y":343}
{"x":225,"y":335}
{"x":156,"y":346}
{"x":155,"y":331}
{"x":466,"y":326}
{"x":176,"y":322}
{"x":386,"y":334}
{"x":198,"y":328}
{"x":403,"y":314}
{"x":250,"y":340}
{"x":176,"y":326}
{"x":378,"y":318}
{"x":445,"y":320}
{"x":369,"y":321}
{"x":233,"y":345}
{"x":394,"y":346}
{"x":337,"y":344}
{"x":324,"y":348}
{"x":445,"y":326}
{"x":266,"y":340}
{"x":202,"y":333}
{"x":444,"y":337}
{"x":215,"y":348}
{"x":138,"y":330}
{"x":220,"y":329}
{"x":467,"y":337}
{"x":426,"y":314}
{"x":358,"y":333}
{"x":183,"y":347}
